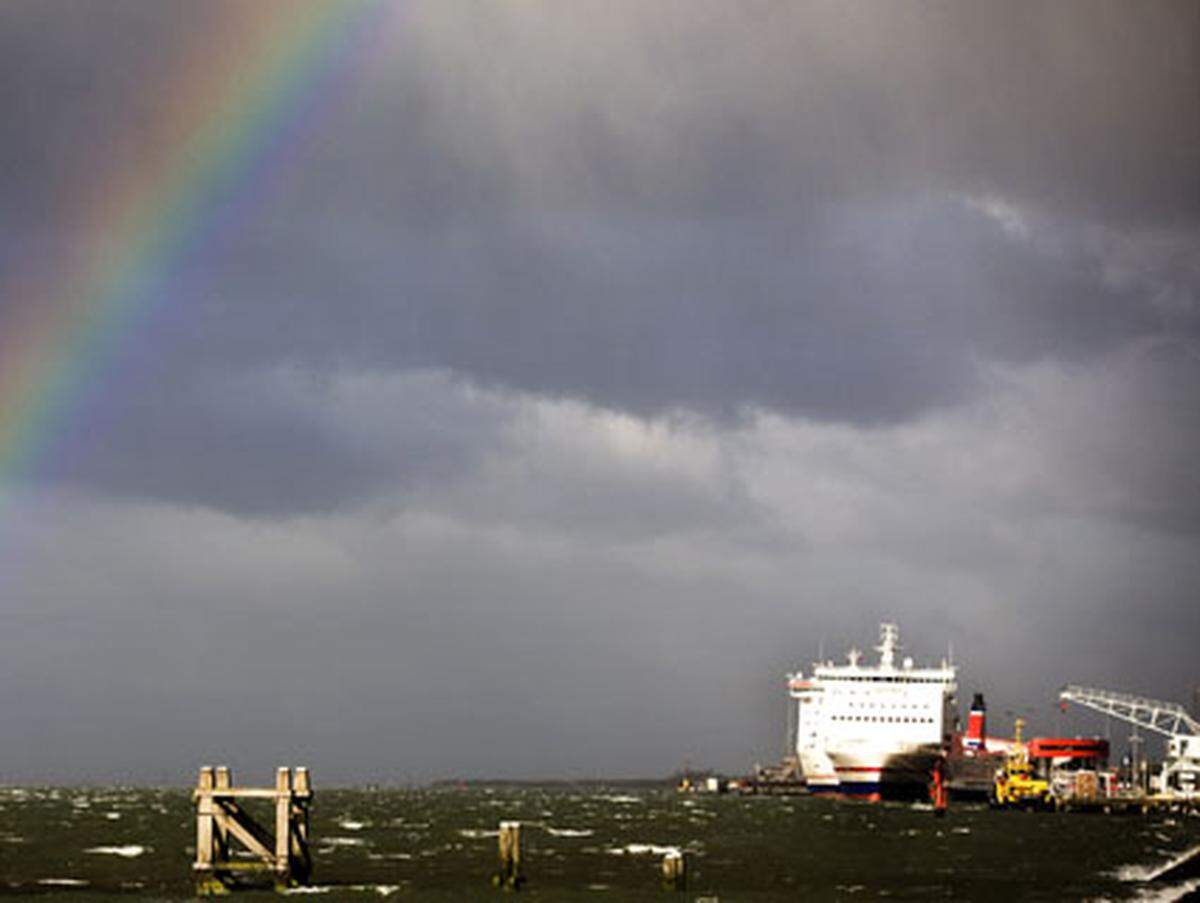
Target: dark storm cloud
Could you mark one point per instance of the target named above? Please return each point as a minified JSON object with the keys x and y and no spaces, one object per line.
{"x":1132,"y":439}
{"x":649,"y":119}
{"x":712,"y":106}
{"x":692,"y":107}
{"x":578,"y":368}
{"x":264,"y":443}
{"x":650,"y":208}
{"x":868,"y":313}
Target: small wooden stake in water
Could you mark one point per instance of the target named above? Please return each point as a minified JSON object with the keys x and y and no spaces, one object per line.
{"x":509,"y":877}
{"x":674,"y":871}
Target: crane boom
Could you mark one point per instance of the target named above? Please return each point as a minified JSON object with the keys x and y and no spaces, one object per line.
{"x":1167,"y":718}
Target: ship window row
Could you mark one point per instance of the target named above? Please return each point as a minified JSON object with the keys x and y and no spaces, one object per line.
{"x":903,"y":719}
{"x":875,"y":704}
{"x":897,"y":679}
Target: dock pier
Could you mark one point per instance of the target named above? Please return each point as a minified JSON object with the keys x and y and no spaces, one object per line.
{"x":1132,"y":805}
{"x":222,"y":820}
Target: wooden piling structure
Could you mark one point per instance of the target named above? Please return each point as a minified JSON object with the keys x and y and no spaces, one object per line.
{"x":674,"y":871}
{"x":221,"y":820}
{"x":510,"y":876}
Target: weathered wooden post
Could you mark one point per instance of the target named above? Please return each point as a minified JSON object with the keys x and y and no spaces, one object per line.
{"x":283,"y":825}
{"x":205,"y":879}
{"x":223,"y":781}
{"x":510,"y":876}
{"x":301,"y":858}
{"x":674,"y":871}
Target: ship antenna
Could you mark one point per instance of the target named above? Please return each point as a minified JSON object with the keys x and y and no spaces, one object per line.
{"x":889,"y":641}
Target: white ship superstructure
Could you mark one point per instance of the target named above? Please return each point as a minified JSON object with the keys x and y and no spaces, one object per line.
{"x":873,"y":729}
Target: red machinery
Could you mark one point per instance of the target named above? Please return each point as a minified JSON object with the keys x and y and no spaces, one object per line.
{"x":1061,"y":750}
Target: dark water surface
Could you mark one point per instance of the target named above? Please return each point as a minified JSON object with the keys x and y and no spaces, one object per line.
{"x":590,"y":844}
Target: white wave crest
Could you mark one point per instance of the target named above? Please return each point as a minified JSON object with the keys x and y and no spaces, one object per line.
{"x":1151,"y":872}
{"x":128,"y":851}
{"x":477,"y":833}
{"x":342,"y":841}
{"x":643,"y":849}
{"x":1168,"y":894}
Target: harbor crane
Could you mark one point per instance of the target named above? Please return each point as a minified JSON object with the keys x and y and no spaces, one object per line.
{"x":1181,"y":769}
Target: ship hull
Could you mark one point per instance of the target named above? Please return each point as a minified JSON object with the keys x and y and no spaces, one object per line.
{"x":972,"y":777}
{"x":902,"y":774}
{"x":820,"y":774}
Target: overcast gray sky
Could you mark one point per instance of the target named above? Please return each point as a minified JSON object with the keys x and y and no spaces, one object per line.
{"x":584,"y":367}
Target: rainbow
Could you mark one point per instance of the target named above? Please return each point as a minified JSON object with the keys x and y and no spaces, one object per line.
{"x":223,"y":129}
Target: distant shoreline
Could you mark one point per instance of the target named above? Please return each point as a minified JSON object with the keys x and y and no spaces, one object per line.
{"x":485,"y":783}
{"x":440,"y":784}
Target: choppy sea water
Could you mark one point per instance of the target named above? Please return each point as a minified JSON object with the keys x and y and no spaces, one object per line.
{"x":595,"y":844}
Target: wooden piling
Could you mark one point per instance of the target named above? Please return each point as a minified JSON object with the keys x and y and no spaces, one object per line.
{"x":204,"y":827}
{"x":221,"y":820}
{"x":223,"y":780}
{"x":301,"y":858}
{"x":510,"y":876}
{"x":674,"y":871}
{"x":283,"y":823}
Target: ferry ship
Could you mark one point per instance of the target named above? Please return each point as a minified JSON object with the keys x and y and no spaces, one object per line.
{"x":873,"y":730}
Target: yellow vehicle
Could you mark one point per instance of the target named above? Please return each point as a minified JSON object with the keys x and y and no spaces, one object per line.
{"x":1017,"y":783}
